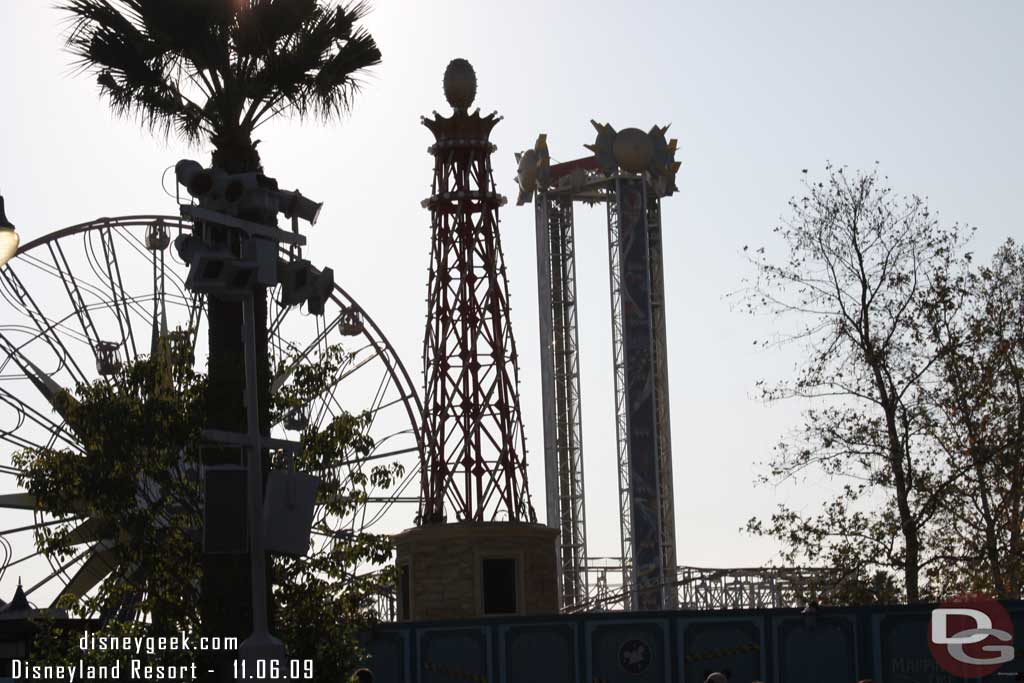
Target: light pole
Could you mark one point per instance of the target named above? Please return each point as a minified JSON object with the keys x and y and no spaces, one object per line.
{"x":8,"y":237}
{"x":236,"y":274}
{"x":261,"y":645}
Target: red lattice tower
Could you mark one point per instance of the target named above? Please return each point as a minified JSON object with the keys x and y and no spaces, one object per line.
{"x":476,"y":467}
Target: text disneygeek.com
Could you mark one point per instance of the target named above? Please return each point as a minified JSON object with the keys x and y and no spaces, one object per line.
{"x":136,"y":664}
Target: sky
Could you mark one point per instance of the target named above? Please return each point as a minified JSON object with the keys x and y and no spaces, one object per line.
{"x":755,"y":92}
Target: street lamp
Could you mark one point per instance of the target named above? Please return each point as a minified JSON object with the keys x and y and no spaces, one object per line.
{"x":8,"y":237}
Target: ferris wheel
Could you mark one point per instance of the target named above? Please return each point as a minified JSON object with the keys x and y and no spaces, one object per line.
{"x":79,"y":302}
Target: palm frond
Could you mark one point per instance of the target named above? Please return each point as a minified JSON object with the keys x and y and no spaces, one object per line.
{"x":221,"y":67}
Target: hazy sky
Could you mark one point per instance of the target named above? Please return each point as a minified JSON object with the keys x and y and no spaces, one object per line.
{"x":754,"y":91}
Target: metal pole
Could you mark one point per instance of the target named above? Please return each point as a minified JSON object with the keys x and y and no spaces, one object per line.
{"x":547,"y":369}
{"x":255,"y":473}
{"x":547,"y":376}
{"x":621,"y":430}
{"x":261,"y":645}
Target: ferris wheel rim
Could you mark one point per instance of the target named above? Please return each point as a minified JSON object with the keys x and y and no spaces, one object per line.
{"x":408,"y":388}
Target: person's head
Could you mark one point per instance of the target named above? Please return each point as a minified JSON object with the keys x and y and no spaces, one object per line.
{"x":716,"y":678}
{"x":362,"y":676}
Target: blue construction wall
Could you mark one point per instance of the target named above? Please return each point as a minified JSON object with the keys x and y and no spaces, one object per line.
{"x":839,"y":645}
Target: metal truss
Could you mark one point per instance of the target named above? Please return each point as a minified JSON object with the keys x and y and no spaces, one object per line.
{"x":476,"y":464}
{"x":694,"y":589}
{"x":639,"y":361}
{"x":561,"y":380}
{"x":621,"y":433}
{"x":699,"y":588}
{"x":666,"y":498}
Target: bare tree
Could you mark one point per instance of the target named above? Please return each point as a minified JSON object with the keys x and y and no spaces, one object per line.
{"x":860,"y":264}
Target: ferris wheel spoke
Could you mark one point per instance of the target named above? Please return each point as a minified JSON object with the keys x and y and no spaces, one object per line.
{"x":88,"y":531}
{"x":71,"y":286}
{"x":79,"y":286}
{"x":321,"y":338}
{"x":278,"y":319}
{"x":298,"y":357}
{"x":28,"y":305}
{"x":56,"y":326}
{"x":378,"y":399}
{"x":57,"y":271}
{"x":47,"y":387}
{"x":330,"y":397}
{"x":120,"y":299}
{"x":55,"y":432}
{"x":156,"y":255}
{"x":32,"y":527}
{"x":379,"y":456}
{"x":139,"y":246}
{"x":102,"y":558}
{"x":24,"y":558}
{"x":17,"y":501}
{"x":389,"y":502}
{"x":12,"y":471}
{"x":59,"y":571}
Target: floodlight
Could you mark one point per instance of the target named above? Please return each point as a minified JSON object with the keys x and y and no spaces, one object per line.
{"x":8,"y":237}
{"x":294,"y":204}
{"x":216,"y":270}
{"x":191,"y":174}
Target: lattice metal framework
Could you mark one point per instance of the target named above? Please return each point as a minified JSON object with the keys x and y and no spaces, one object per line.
{"x":701,"y":588}
{"x":639,"y":354}
{"x":666,"y":497}
{"x":694,"y":588}
{"x":477,"y":466}
{"x":640,"y":374}
{"x":618,"y":374}
{"x":561,"y":377}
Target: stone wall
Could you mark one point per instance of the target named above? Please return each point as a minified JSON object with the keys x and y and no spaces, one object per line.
{"x":445,"y":560}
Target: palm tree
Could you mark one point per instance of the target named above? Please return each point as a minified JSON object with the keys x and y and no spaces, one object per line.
{"x":217,"y":70}
{"x":221,"y":68}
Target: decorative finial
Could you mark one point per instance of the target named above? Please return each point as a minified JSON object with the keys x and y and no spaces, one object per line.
{"x":459,"y":84}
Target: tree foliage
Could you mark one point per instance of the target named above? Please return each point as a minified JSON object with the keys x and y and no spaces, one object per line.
{"x":135,"y":486}
{"x":976,"y":319}
{"x":891,"y":318}
{"x":221,"y":68}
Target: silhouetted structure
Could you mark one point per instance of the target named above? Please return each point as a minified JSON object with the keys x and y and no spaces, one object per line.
{"x":477,"y":549}
{"x":477,"y":468}
{"x":629,"y":171}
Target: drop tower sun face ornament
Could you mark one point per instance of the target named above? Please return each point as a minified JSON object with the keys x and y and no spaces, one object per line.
{"x":476,"y":468}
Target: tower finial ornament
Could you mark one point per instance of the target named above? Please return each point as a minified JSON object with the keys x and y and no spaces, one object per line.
{"x":460,"y":84}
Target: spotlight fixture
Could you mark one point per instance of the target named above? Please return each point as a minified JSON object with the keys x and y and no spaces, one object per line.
{"x":243,"y":194}
{"x":8,"y":237}
{"x":294,"y":204}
